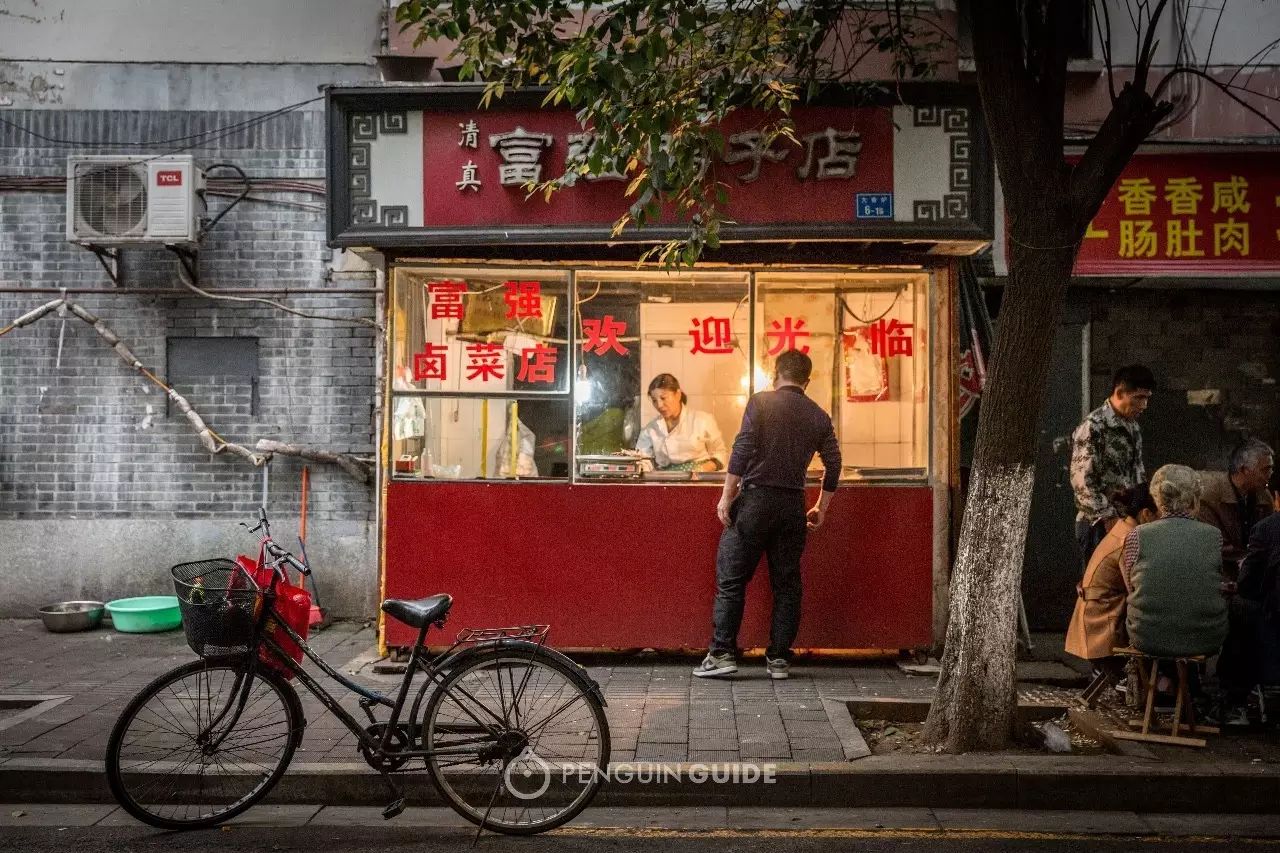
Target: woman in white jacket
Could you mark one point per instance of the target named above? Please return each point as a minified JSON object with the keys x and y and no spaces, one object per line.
{"x":681,"y":438}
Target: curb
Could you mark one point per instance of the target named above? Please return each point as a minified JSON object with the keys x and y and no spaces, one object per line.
{"x":1102,"y":783}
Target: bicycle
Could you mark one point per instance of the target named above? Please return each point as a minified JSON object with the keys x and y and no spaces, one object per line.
{"x":512,"y":733}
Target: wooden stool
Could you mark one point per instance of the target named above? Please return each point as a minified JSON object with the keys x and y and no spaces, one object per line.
{"x":1184,"y":714}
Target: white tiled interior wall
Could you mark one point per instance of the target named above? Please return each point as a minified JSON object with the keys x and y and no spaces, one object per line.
{"x":817,"y":311}
{"x":456,"y":434}
{"x":882,"y":434}
{"x":888,"y":433}
{"x":715,"y":383}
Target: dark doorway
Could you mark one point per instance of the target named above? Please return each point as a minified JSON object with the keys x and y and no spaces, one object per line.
{"x":1051,"y":565}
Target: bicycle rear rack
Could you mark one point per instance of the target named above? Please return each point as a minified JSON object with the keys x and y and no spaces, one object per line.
{"x":535,"y":633}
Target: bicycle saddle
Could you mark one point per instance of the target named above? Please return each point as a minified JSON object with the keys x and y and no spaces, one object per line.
{"x":419,"y":612}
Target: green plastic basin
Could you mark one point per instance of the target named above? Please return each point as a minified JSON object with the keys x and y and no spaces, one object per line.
{"x":145,"y":615}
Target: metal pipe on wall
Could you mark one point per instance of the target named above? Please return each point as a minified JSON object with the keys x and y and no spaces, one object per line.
{"x":186,"y":294}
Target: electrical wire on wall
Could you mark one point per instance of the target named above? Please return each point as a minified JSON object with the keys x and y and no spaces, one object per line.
{"x":194,"y":140}
{"x":244,"y":193}
{"x":350,"y":321}
{"x":897,"y":294}
{"x":199,"y":138}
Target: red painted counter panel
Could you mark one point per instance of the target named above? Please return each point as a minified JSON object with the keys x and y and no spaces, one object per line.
{"x":618,"y":566}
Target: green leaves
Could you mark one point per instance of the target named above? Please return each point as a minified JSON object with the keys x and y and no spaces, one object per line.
{"x":655,"y":79}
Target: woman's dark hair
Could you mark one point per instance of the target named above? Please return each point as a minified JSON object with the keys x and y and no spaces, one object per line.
{"x":1133,"y":500}
{"x":667,"y":382}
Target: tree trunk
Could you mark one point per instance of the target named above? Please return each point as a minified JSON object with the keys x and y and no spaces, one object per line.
{"x":976,"y":695}
{"x":1047,"y":205}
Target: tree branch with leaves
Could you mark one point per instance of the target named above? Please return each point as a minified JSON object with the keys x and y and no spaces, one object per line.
{"x":654,"y":80}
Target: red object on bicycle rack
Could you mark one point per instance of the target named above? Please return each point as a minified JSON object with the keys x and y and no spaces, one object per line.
{"x":293,"y":607}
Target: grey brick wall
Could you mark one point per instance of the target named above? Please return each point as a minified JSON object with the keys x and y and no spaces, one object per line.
{"x":1193,"y":340}
{"x":82,"y":437}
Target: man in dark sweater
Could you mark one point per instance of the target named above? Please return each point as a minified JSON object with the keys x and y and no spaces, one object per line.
{"x":763,"y":511}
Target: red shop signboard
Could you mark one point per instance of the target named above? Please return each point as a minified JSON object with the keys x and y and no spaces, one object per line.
{"x":476,"y":164}
{"x":1187,"y":215}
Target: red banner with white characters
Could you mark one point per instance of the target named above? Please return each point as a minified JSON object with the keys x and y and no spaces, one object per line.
{"x":475,"y":165}
{"x":1188,"y":214}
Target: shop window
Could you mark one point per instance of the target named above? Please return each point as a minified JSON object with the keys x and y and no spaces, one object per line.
{"x":496,"y":375}
{"x":481,"y":332}
{"x":868,"y":338}
{"x":480,"y":374}
{"x":480,"y":438}
{"x":690,"y":331}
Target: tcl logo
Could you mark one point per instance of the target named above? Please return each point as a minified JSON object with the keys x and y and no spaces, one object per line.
{"x":169,"y":178}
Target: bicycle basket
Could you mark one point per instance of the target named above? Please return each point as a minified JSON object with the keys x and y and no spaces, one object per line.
{"x":219,"y":603}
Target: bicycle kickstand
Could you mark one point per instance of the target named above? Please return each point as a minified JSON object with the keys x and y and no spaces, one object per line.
{"x":397,"y":803}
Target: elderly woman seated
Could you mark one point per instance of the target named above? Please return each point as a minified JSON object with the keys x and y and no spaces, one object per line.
{"x":1097,"y":625}
{"x":1171,"y":568}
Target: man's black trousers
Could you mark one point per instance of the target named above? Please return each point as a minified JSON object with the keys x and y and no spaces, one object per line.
{"x":764,"y":522}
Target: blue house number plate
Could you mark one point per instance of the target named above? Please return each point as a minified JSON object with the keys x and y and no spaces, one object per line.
{"x":874,"y":206}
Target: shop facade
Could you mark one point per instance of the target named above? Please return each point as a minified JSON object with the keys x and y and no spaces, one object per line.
{"x":1179,"y":271}
{"x":522,"y":336}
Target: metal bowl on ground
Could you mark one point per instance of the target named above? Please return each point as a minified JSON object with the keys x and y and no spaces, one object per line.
{"x":67,"y":616}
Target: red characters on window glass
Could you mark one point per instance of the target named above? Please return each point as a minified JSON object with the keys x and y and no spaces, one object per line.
{"x":523,"y":298}
{"x":430,"y":363}
{"x":538,"y":364}
{"x":602,"y":335}
{"x":786,"y":335}
{"x":485,"y":362}
{"x":711,"y":335}
{"x":446,"y":299}
{"x":891,"y":338}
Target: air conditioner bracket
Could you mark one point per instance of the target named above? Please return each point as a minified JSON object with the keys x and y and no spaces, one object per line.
{"x":110,"y":260}
{"x":187,"y":257}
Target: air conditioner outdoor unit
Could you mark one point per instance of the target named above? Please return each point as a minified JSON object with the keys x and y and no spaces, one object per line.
{"x":134,"y":200}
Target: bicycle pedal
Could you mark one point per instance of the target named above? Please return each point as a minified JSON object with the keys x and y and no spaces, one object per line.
{"x":393,"y":810}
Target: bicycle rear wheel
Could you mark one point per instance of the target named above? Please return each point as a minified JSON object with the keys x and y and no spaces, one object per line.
{"x":195,"y":748}
{"x":519,"y":744}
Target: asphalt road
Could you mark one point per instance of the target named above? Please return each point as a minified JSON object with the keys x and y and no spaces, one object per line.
{"x":363,"y":839}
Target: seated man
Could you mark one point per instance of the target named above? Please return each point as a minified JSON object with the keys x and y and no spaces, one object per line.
{"x":1251,"y":655}
{"x":1235,"y":500}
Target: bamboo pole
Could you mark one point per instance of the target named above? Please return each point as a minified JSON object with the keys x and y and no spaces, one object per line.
{"x":212,"y":442}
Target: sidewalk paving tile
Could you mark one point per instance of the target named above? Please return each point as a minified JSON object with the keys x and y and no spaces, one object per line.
{"x":276,"y":815}
{"x":372,"y":816}
{"x":24,"y":814}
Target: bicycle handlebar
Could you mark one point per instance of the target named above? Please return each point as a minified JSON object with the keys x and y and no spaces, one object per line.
{"x":281,"y":554}
{"x":271,"y":548}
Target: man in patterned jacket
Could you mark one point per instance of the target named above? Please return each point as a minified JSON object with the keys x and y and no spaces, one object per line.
{"x":1106,"y":454}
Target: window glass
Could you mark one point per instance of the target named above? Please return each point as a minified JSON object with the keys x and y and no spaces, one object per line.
{"x":868,"y":338}
{"x":646,"y":376}
{"x":689,"y":333}
{"x":472,"y":438}
{"x":481,"y":331}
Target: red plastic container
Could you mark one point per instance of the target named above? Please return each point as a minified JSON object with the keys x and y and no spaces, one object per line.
{"x":293,"y":607}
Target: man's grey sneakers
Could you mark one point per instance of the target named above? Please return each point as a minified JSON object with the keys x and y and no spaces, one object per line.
{"x":714,"y":664}
{"x":778,"y":668}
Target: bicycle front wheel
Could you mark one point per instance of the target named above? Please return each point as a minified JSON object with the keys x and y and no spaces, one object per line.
{"x":517,"y":742}
{"x":202,"y":743}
